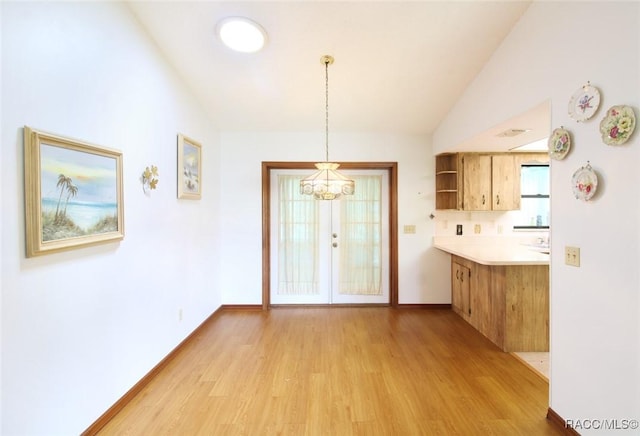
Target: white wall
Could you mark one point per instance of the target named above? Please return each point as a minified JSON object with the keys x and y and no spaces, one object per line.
{"x":79,"y":328}
{"x":595,"y":334}
{"x":1,"y":224}
{"x":420,"y":265}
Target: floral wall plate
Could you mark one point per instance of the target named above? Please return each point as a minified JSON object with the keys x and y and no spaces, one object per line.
{"x":584,"y":103}
{"x":585,"y":183}
{"x":618,"y":125}
{"x":559,"y":143}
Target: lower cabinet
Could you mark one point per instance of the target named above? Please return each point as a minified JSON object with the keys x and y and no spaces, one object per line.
{"x":509,"y":304}
{"x":460,"y":290}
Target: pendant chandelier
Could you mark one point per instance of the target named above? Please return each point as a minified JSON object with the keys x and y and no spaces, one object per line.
{"x":327,"y":183}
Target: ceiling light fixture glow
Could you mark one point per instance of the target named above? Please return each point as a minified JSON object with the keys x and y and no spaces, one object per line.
{"x":241,"y":34}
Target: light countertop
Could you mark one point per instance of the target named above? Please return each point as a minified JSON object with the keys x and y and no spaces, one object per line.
{"x":492,"y":253}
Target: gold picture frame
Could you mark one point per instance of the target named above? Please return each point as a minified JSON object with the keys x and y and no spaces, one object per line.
{"x":189,"y":168}
{"x":73,"y":193}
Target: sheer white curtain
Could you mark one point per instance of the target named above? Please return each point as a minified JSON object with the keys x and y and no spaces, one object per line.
{"x":361,"y":238}
{"x":298,"y":239}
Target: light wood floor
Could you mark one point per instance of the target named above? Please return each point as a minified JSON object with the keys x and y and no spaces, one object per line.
{"x":339,"y":371}
{"x":537,"y":360}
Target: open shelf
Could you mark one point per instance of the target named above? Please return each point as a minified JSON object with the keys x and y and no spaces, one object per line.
{"x":447,"y":181}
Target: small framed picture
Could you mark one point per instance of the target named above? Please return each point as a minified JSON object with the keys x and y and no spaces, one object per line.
{"x":73,"y":193}
{"x":189,"y":168}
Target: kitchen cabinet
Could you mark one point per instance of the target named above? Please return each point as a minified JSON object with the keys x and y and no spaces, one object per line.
{"x":477,"y":182}
{"x":449,"y":181}
{"x":508,"y":304}
{"x":460,"y":289}
{"x":480,"y":181}
{"x":469,"y":284}
{"x":505,"y":182}
{"x":491,"y":182}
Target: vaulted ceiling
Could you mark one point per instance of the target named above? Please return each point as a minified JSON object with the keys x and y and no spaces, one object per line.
{"x":399,"y":65}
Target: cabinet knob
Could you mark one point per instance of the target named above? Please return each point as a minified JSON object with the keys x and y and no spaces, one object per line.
{"x":335,"y":244}
{"x":497,"y":199}
{"x":483,"y":199}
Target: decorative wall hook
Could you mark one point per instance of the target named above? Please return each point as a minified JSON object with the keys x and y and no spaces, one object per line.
{"x":150,"y":178}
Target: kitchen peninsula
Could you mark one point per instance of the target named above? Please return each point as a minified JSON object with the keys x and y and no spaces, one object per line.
{"x":502,"y":290}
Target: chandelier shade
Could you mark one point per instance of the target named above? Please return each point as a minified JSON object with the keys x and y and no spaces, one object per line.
{"x":327,"y":183}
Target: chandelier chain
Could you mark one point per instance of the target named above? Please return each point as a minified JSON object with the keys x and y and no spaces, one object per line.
{"x":326,"y":109}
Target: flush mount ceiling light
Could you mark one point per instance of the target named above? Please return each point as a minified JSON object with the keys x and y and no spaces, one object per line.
{"x":510,"y":133}
{"x":327,"y":183}
{"x":241,"y":34}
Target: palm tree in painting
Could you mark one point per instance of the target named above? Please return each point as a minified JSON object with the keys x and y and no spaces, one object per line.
{"x":72,"y":190}
{"x":63,"y":184}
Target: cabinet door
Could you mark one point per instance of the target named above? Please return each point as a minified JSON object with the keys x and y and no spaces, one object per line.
{"x":477,"y":182}
{"x":465,"y":286}
{"x":505,"y":183}
{"x":460,"y":289}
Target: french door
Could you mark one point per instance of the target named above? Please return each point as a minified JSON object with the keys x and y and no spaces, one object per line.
{"x":329,"y":252}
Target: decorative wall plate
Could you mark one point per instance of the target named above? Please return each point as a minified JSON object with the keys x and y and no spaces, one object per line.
{"x":618,"y":125}
{"x":584,"y":103}
{"x":585,"y":183}
{"x":559,"y":143}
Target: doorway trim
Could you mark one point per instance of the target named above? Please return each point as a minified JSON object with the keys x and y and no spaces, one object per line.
{"x":392,"y":169}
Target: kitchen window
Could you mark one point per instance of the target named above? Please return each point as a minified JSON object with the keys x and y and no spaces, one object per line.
{"x":534,"y":201}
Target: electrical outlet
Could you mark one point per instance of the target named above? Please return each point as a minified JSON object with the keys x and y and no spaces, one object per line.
{"x":572,"y":256}
{"x":180,"y":314}
{"x":477,"y":228}
{"x":458,"y":229}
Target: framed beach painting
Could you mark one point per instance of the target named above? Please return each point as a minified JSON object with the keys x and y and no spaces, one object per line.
{"x":73,"y":193}
{"x":189,"y":168}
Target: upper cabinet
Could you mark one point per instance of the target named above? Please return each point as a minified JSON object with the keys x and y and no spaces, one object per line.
{"x":479,"y":181}
{"x":449,"y":181}
{"x":476,"y":173}
{"x":505,"y":182}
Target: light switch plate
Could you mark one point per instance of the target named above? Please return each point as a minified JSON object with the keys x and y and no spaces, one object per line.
{"x":572,"y":256}
{"x":409,"y":229}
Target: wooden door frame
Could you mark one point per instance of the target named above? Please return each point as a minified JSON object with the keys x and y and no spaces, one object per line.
{"x":392,"y":169}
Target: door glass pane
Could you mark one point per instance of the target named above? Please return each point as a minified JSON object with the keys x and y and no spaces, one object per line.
{"x":297,"y":239}
{"x":360,"y":271}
